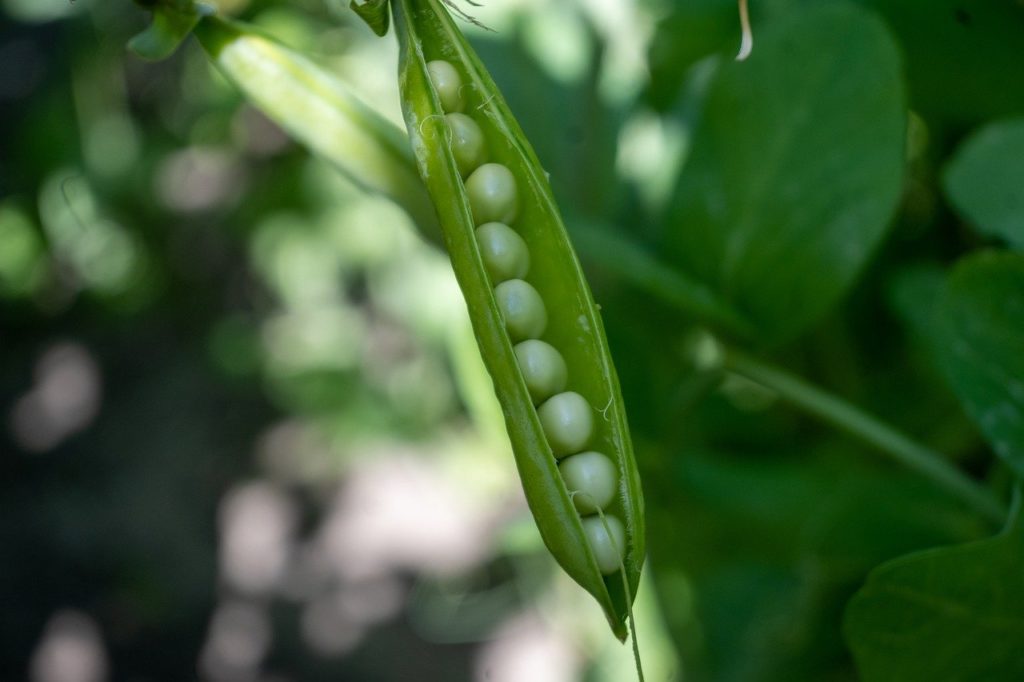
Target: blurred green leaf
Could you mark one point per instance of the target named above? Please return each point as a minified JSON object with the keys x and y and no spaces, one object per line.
{"x":22,"y":255}
{"x":982,"y":316}
{"x":914,"y":293}
{"x":41,"y":11}
{"x":770,"y":545}
{"x":947,"y":614}
{"x":963,"y":58}
{"x":795,"y":170}
{"x":985,"y":181}
{"x":693,"y":30}
{"x":374,"y":13}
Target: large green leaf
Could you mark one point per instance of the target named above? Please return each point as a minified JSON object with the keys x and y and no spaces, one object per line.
{"x":946,"y":614}
{"x":962,"y":56}
{"x":985,"y":181}
{"x":795,"y":170}
{"x":755,"y":555}
{"x":982,"y":349}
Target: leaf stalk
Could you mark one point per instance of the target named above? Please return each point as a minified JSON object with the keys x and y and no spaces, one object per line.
{"x":898,"y":446}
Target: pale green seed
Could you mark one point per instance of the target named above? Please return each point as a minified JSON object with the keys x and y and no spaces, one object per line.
{"x":543,"y":369}
{"x":568,"y":422}
{"x":448,"y":85}
{"x":491,"y":189}
{"x":608,"y":549}
{"x":522,"y":309}
{"x":590,"y":478}
{"x":504,"y":252}
{"x":468,"y":146}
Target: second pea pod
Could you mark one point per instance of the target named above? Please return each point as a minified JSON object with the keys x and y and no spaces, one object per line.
{"x":533,"y":314}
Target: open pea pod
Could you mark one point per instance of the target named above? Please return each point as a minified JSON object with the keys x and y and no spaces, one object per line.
{"x":427,"y":34}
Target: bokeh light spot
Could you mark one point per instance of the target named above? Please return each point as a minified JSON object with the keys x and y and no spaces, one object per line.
{"x":71,"y":650}
{"x":64,"y":400}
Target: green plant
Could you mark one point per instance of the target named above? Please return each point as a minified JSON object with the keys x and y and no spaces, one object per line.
{"x":805,"y":236}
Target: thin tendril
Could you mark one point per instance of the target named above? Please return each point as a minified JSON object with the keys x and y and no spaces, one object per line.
{"x":433,"y":117}
{"x":486,"y":102}
{"x":747,"y":36}
{"x":465,"y":16}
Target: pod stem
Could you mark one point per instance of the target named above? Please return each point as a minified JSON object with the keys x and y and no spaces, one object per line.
{"x":839,"y":413}
{"x":632,"y":619}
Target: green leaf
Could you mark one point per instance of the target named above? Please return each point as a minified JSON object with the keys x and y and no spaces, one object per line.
{"x":795,"y":170}
{"x":374,"y":13}
{"x":756,"y":554}
{"x":691,"y":31}
{"x":172,"y":23}
{"x":984,"y":181}
{"x":963,"y":58}
{"x":914,"y":292}
{"x":948,"y":614}
{"x":982,"y":353}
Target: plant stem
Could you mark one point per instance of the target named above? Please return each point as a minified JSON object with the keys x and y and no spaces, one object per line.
{"x":854,"y":421}
{"x":608,"y":248}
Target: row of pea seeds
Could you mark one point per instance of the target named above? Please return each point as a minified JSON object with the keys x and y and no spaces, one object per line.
{"x":566,"y":416}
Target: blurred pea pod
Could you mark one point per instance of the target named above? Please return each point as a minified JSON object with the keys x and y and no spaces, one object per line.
{"x":320,"y":112}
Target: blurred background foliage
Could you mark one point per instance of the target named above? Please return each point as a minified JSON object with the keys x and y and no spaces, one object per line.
{"x":246,"y":431}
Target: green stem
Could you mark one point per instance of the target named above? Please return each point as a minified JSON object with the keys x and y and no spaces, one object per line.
{"x":606,"y":247}
{"x":849,"y":418}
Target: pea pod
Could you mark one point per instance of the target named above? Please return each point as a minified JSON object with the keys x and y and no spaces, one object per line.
{"x":587,"y":414}
{"x":321,"y":112}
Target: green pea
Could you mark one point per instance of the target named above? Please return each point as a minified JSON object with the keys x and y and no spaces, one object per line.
{"x":491,"y":190}
{"x":568,"y":422}
{"x":543,"y":369}
{"x":468,"y":145}
{"x":447,"y":83}
{"x":504,"y":252}
{"x":522,"y":309}
{"x":593,"y":479}
{"x":608,"y":549}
